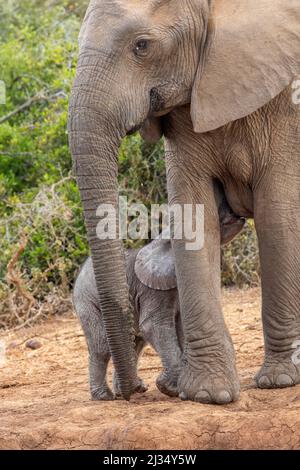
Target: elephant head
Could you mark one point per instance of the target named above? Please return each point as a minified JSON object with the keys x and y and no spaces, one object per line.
{"x":140,"y":59}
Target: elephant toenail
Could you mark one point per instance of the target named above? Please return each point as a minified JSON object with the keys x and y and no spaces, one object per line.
{"x":203,"y":397}
{"x":183,"y":396}
{"x":284,"y":380}
{"x":264,"y":382}
{"x":223,"y":397}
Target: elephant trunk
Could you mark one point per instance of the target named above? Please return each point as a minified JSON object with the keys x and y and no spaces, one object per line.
{"x":94,"y":141}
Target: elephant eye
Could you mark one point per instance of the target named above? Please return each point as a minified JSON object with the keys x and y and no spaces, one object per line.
{"x":141,"y":47}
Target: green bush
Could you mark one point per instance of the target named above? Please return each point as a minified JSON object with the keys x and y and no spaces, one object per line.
{"x":42,"y":235}
{"x":37,"y":65}
{"x":240,"y":260}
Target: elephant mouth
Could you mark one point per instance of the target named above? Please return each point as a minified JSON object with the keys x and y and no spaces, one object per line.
{"x":157,"y":102}
{"x":138,"y":127}
{"x":156,"y":109}
{"x":134,"y":129}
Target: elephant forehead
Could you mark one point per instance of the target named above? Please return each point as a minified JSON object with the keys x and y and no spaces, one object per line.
{"x":106,"y":13}
{"x":154,"y":12}
{"x":109,"y":21}
{"x":106,"y":22}
{"x":145,"y":6}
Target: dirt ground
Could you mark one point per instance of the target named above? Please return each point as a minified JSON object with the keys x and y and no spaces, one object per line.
{"x":45,"y":400}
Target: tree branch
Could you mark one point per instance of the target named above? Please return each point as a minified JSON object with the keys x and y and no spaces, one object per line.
{"x":17,"y":154}
{"x":36,"y":98}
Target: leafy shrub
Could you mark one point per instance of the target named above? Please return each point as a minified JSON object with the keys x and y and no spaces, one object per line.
{"x":240,"y":260}
{"x":42,"y":245}
{"x":37,"y":65}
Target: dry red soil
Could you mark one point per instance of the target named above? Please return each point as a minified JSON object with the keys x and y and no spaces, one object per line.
{"x":45,"y":401}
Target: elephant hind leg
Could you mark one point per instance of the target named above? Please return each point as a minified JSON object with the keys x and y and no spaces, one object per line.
{"x":160,"y":330}
{"x":98,"y":385}
{"x":99,"y":355}
{"x":278,"y":227}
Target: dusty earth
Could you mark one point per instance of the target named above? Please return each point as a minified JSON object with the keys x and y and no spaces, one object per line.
{"x":45,"y":400}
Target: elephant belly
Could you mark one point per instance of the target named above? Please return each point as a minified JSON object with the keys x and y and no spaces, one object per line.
{"x":240,"y":198}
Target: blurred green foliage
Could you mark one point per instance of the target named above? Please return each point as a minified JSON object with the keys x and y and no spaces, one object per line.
{"x":37,"y":61}
{"x":39,"y":199}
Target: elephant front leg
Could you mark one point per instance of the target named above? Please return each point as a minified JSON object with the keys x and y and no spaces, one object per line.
{"x":209,"y":373}
{"x":277,"y":220}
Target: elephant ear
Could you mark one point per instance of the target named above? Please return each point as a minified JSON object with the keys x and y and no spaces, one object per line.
{"x":254,"y":53}
{"x":151,"y":130}
{"x":155,"y":266}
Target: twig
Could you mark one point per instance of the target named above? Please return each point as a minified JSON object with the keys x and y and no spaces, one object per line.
{"x":34,"y":99}
{"x":13,"y":278}
{"x":12,"y":307}
{"x":26,"y":105}
{"x":17,"y":154}
{"x":29,"y":320}
{"x":61,"y":182}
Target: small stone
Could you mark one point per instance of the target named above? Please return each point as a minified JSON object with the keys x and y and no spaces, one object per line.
{"x":33,"y":344}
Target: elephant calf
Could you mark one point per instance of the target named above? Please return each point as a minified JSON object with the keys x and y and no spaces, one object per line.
{"x":154,"y":300}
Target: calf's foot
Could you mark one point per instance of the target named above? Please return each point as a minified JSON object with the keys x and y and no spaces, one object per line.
{"x":167,"y":383}
{"x":102,"y":394}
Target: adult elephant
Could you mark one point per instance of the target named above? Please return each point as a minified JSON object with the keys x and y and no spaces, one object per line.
{"x":220,"y":74}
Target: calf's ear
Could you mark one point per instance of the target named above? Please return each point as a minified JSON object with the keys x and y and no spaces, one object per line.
{"x":155,"y":266}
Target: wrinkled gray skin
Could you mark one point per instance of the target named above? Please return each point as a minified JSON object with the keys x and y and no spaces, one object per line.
{"x":156,"y":315}
{"x":155,"y":307}
{"x":214,"y":77}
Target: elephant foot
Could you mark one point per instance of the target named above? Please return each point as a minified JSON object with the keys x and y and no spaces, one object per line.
{"x":278,"y":373}
{"x":210,"y":385}
{"x":102,"y":394}
{"x":167,"y":383}
{"x":139,"y":387}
